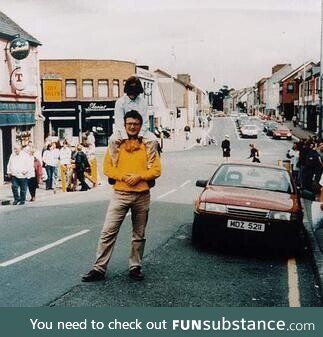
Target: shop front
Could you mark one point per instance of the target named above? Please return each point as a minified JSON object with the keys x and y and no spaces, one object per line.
{"x":70,"y":120}
{"x":17,"y":120}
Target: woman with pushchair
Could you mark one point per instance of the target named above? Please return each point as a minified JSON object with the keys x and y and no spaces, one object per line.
{"x":254,"y":153}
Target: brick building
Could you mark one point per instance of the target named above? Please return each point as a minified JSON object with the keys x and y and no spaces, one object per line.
{"x":20,"y":116}
{"x":80,"y":95}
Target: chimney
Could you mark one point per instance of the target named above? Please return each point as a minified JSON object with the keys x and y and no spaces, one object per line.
{"x":186,"y":78}
{"x":277,"y":67}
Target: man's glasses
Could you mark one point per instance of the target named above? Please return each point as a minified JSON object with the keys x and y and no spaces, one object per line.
{"x":133,"y":124}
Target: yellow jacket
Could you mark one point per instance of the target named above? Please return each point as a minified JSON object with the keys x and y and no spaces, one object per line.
{"x":132,"y":159}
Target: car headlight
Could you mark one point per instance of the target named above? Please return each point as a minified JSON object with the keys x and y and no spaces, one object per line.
{"x":280,"y":215}
{"x":289,"y":134}
{"x":212,"y":207}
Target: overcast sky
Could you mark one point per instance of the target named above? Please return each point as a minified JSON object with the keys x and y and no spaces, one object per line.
{"x":234,"y":41}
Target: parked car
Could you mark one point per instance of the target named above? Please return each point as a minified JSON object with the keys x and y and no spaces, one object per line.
{"x":249,"y":130}
{"x":255,"y":204}
{"x":282,"y":132}
{"x":271,"y":127}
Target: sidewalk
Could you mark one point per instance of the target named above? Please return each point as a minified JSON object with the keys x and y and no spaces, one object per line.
{"x":315,"y":237}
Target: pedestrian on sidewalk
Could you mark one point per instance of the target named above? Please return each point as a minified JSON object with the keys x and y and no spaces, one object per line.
{"x":254,"y":153}
{"x":226,"y":148}
{"x":293,"y":154}
{"x":132,"y":100}
{"x":294,"y":120}
{"x":311,"y":164}
{"x":204,"y":137}
{"x":49,"y":162}
{"x":35,"y":175}
{"x":81,"y":165}
{"x":18,"y":169}
{"x":187,"y":131}
{"x":131,"y":192}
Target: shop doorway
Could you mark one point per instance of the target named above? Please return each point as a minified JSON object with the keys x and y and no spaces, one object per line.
{"x":7,"y":149}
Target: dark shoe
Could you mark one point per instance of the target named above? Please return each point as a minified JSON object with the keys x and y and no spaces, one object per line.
{"x":136,"y":274}
{"x":111,"y":181}
{"x":93,"y":276}
{"x":16,"y":202}
{"x":32,"y":199}
{"x":151,"y":183}
{"x":21,"y":203}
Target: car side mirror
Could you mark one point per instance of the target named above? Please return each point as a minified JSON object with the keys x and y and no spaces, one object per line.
{"x":201,"y":183}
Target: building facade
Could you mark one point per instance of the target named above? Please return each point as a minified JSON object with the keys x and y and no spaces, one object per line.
{"x":20,"y":115}
{"x":80,"y":95}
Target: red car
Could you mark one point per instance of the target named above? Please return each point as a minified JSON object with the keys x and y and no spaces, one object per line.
{"x":282,"y":132}
{"x":251,"y":204}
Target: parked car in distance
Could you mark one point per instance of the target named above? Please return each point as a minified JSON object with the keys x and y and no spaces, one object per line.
{"x":253,"y":204}
{"x":271,"y":127}
{"x":249,"y":130}
{"x":282,"y":132}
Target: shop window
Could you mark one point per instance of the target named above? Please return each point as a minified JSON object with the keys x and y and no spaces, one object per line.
{"x":116,"y":90}
{"x":65,"y":134}
{"x":87,"y":88}
{"x":23,"y":135}
{"x":70,"y":88}
{"x":103,"y":88}
{"x":290,"y":88}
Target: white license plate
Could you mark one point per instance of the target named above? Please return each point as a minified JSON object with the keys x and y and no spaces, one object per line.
{"x":246,"y":225}
{"x":283,"y":137}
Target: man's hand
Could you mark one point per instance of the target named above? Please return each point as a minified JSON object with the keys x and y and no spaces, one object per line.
{"x":132,"y":179}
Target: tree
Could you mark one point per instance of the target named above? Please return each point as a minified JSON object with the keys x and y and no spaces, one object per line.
{"x":216,"y":98}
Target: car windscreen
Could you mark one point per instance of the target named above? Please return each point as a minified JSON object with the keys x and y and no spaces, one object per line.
{"x":255,"y":177}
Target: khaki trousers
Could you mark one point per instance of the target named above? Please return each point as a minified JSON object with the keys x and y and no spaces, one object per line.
{"x":121,"y":203}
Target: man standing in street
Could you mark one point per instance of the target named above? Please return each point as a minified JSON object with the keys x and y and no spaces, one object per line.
{"x":20,"y":167}
{"x":226,"y":148}
{"x":131,"y":192}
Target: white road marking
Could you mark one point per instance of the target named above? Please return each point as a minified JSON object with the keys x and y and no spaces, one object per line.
{"x":185,"y":183}
{"x":42,"y":249}
{"x":293,"y":289}
{"x":167,"y":193}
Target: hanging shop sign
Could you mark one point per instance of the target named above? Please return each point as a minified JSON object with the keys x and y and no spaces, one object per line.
{"x":19,"y":48}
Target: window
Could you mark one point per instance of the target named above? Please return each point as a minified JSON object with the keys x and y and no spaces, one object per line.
{"x":290,"y":87}
{"x":103,"y":88}
{"x":115,"y":88}
{"x":87,"y":88}
{"x":70,"y":88}
{"x":317,"y":85}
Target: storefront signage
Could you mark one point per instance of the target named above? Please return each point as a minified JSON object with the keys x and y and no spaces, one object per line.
{"x":52,"y":90}
{"x":96,"y":107}
{"x":17,"y":107}
{"x":19,"y":48}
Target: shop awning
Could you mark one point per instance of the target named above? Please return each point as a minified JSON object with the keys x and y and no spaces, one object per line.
{"x":13,"y":119}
